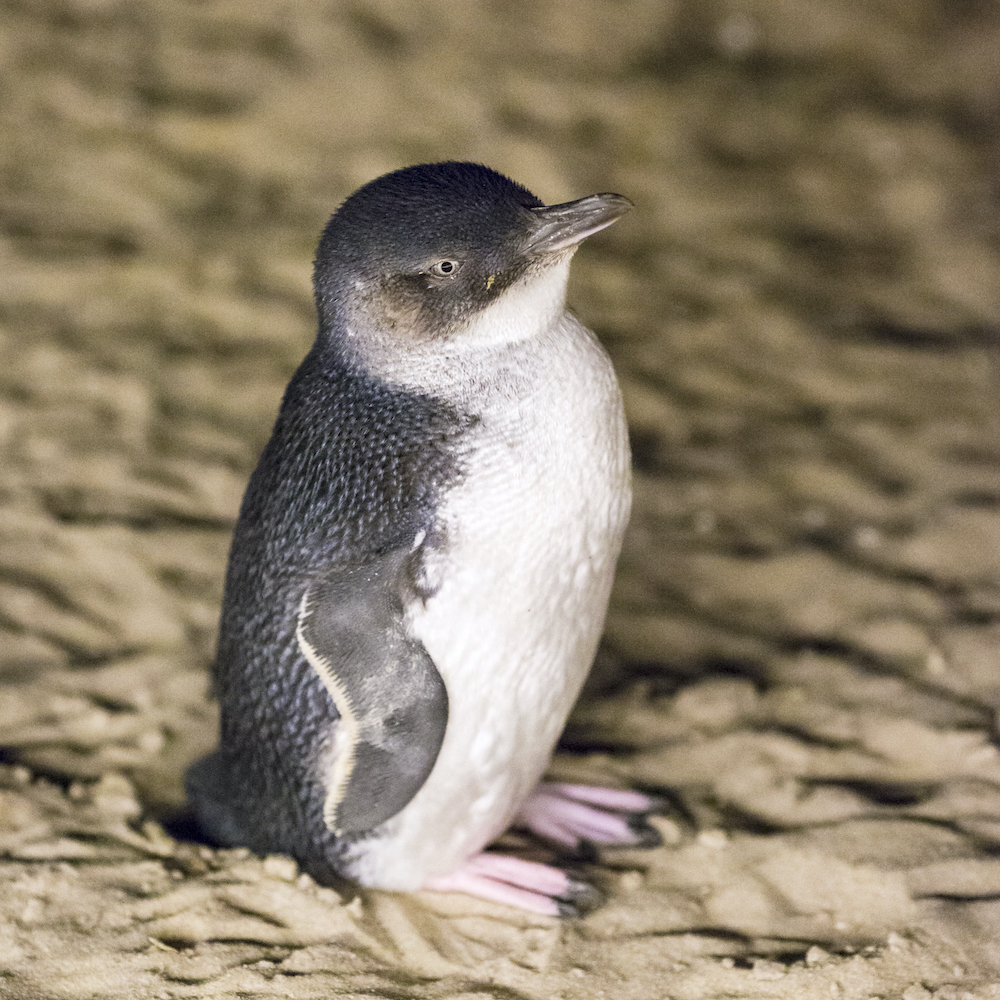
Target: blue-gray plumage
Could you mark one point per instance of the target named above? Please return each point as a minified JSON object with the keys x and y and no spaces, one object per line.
{"x":422,"y":561}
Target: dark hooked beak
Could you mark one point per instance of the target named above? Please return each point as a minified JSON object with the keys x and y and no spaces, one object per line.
{"x":560,"y":226}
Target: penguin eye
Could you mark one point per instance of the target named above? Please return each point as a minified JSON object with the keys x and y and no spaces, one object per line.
{"x":445,"y":268}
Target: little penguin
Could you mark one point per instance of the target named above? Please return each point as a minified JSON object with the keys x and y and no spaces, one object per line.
{"x":422,"y":562}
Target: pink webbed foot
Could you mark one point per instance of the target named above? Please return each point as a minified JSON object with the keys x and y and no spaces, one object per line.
{"x":577,"y":816}
{"x":574,"y":817}
{"x":526,"y":885}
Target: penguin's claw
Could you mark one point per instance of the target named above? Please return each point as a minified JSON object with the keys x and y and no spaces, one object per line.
{"x":575,"y":816}
{"x":526,"y":885}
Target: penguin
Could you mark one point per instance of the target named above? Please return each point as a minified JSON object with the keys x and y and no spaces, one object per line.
{"x":423,"y":557}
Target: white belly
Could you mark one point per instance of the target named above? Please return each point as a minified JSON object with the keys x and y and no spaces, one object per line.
{"x":531,"y":534}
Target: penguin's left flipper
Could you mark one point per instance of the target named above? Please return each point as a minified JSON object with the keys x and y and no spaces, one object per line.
{"x":573,"y":816}
{"x":391,"y":699}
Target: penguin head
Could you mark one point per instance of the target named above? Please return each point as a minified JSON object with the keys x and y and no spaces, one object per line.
{"x":448,"y":256}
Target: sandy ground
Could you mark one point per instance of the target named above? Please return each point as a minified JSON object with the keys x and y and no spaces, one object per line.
{"x":802,"y":648}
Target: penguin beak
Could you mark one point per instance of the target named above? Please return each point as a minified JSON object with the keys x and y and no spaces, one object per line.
{"x":559,"y":227}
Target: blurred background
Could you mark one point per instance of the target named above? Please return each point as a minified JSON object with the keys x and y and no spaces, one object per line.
{"x":802,"y":308}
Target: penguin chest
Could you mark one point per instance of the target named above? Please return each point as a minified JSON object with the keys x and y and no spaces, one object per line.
{"x":518,"y":585}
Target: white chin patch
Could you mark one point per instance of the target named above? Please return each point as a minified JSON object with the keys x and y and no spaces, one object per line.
{"x":529,"y":307}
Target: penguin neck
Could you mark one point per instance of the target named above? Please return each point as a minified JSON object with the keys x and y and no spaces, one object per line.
{"x":470,"y":349}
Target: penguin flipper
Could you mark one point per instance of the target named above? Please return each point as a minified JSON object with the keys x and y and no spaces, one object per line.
{"x":392,"y":702}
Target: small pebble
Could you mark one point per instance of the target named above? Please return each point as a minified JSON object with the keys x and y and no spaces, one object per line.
{"x":279,"y":866}
{"x":763,"y":969}
{"x":713,"y":838}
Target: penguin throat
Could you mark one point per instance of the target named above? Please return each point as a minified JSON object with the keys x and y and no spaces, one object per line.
{"x":529,"y":307}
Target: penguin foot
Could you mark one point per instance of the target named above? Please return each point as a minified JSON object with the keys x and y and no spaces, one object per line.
{"x":526,"y":885}
{"x":575,"y":816}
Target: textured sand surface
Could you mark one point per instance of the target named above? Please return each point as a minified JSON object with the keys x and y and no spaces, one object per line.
{"x":802,"y":650}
